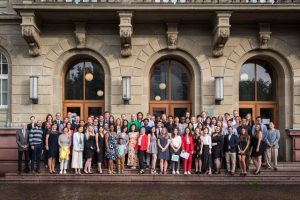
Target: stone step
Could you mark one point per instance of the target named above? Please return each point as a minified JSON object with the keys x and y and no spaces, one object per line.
{"x":152,"y":178}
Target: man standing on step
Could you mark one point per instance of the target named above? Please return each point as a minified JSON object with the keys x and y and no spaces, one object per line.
{"x":36,"y":144}
{"x":230,"y":144}
{"x":22,"y":142}
{"x":272,"y":139}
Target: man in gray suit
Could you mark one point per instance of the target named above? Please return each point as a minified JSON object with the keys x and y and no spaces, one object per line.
{"x":23,"y":147}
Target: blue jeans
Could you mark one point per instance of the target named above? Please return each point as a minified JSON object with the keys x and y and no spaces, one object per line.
{"x":36,"y":157}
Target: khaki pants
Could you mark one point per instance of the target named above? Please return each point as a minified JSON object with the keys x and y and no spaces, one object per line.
{"x":230,"y":161}
{"x":121,"y":161}
{"x":272,"y":155}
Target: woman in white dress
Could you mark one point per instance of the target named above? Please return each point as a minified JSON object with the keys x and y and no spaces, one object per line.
{"x":78,"y":147}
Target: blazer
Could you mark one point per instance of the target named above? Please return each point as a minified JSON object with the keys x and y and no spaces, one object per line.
{"x":184,"y":143}
{"x":76,"y":142}
{"x":29,"y":126}
{"x":21,"y":140}
{"x":233,"y":142}
{"x":144,"y":143}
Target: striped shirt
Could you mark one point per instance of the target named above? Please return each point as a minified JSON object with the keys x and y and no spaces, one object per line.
{"x":35,"y":136}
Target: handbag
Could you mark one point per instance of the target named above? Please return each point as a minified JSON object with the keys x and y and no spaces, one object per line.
{"x":175,"y":158}
{"x":184,"y":155}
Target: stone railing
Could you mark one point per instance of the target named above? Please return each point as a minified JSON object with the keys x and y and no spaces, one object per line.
{"x":170,"y":1}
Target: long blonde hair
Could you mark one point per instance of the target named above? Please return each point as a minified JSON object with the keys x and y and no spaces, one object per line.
{"x":89,"y":133}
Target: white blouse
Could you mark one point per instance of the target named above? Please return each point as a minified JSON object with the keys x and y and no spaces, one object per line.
{"x":207,"y":140}
{"x":176,"y":142}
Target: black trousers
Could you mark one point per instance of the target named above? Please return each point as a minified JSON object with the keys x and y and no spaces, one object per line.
{"x":36,"y":157}
{"x":141,"y":156}
{"x":20,"y":158}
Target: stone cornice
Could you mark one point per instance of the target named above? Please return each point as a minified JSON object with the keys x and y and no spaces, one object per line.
{"x":159,"y":7}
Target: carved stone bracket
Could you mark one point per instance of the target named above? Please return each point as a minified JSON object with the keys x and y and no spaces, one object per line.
{"x":31,"y":33}
{"x":126,"y":31}
{"x":80,"y":34}
{"x":172,"y":35}
{"x":221,"y":32}
{"x":264,"y":35}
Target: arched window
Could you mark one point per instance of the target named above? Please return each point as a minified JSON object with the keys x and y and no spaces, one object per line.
{"x":257,"y":91}
{"x":256,"y":82}
{"x":84,"y":88}
{"x":3,"y":80}
{"x":170,"y":88}
{"x":84,"y":81}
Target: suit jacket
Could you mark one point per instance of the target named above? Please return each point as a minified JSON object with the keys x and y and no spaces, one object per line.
{"x":29,"y":126}
{"x":21,"y":140}
{"x":233,"y":142}
{"x":58,"y":124}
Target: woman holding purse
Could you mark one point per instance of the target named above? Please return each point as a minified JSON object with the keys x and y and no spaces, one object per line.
{"x":64,"y":142}
{"x":175,"y":151}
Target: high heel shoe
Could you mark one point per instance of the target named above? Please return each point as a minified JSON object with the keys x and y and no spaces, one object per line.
{"x":257,"y":173}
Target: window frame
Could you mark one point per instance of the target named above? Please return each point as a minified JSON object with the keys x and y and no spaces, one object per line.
{"x":4,"y":77}
{"x":272,"y":75}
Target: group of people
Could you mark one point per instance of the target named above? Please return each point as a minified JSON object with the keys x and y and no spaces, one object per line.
{"x":200,"y":141}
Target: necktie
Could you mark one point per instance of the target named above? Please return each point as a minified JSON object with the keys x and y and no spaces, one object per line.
{"x":23,"y":132}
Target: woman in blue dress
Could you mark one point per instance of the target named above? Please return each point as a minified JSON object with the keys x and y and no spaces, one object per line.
{"x":111,"y":145}
{"x":52,"y":147}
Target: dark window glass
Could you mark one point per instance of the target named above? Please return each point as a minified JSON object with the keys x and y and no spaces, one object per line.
{"x":85,"y":76}
{"x":179,"y":82}
{"x":160,"y":77}
{"x":74,"y":82}
{"x":169,"y":75}
{"x":256,"y":83}
{"x":265,"y":86}
{"x":247,"y":82}
{"x":96,"y":84}
{"x":180,"y":112}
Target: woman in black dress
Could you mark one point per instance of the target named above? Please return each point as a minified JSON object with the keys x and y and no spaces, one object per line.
{"x":217,"y":141}
{"x":257,"y":148}
{"x":100,"y":143}
{"x":90,"y":144}
{"x":198,"y":150}
{"x":243,"y":147}
{"x":52,"y":147}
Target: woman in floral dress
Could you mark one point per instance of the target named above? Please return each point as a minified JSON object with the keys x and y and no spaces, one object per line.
{"x":132,"y":156}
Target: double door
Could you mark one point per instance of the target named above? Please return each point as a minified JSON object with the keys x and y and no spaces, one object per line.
{"x":84,"y":109}
{"x":174,"y":109}
{"x":266,"y":110}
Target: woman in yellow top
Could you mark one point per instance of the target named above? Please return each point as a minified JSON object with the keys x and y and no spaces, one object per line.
{"x":64,"y":142}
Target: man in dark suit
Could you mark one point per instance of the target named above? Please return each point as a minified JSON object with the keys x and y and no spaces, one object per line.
{"x":58,"y":120}
{"x":230,"y":144}
{"x":32,"y":123}
{"x":23,"y":147}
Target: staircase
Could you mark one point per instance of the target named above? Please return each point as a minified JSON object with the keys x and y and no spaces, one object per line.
{"x":288,"y":173}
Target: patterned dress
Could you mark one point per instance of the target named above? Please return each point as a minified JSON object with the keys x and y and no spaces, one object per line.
{"x":132,"y":156}
{"x":111,"y":152}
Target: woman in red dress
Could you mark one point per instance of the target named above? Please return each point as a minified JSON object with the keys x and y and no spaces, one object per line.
{"x":187,"y":146}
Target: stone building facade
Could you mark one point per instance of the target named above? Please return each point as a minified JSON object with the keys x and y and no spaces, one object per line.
{"x":128,"y":38}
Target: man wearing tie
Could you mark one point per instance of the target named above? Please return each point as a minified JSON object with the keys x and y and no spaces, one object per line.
{"x":58,"y":120}
{"x":22,"y":142}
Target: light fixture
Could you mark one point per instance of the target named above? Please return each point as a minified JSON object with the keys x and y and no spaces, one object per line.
{"x":157,"y":98}
{"x":162,"y":86}
{"x":219,"y":95}
{"x":89,"y":76}
{"x":244,"y":77}
{"x":33,"y":89}
{"x":126,"y":89}
{"x":100,"y":93}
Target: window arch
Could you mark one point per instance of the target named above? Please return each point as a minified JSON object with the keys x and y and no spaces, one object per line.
{"x":170,"y":88}
{"x":84,"y":88}
{"x":169,"y":81}
{"x":3,"y":80}
{"x":84,"y":81}
{"x":257,"y":91}
{"x":256,"y":82}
